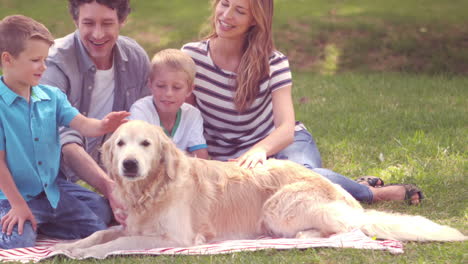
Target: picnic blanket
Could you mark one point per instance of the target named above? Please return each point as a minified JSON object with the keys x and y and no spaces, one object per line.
{"x":353,"y":239}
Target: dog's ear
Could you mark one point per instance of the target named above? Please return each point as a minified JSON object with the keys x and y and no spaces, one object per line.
{"x":170,"y":157}
{"x":171,"y":160}
{"x":107,"y":151}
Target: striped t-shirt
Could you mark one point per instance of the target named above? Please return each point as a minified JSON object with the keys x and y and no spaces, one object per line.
{"x":229,"y":133}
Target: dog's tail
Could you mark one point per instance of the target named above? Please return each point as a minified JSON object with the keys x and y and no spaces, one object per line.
{"x":406,"y":227}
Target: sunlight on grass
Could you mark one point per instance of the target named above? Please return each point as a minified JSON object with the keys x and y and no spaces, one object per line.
{"x":396,"y":173}
{"x":350,"y":10}
{"x":331,"y":60}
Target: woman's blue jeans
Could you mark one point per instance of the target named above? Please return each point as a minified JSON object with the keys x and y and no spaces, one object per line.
{"x":305,"y":152}
{"x":79,"y":213}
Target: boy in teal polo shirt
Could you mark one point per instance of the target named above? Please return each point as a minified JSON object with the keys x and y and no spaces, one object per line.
{"x":32,"y":199}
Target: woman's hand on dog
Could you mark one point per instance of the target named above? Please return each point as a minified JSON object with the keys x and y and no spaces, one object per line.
{"x":252,"y":158}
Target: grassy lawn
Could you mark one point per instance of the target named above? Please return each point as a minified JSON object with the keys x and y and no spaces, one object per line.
{"x":418,"y":36}
{"x":381,"y":85}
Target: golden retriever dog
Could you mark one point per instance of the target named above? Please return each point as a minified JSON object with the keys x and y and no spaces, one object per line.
{"x":177,"y":201}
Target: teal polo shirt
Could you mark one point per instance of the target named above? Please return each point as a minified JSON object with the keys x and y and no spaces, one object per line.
{"x":29,"y":136}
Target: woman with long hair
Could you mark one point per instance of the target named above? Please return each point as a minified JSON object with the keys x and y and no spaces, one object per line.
{"x":243,"y":90}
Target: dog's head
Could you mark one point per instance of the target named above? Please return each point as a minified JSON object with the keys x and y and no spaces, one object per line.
{"x":136,"y":149}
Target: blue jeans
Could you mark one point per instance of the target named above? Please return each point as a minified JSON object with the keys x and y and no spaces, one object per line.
{"x":79,"y":213}
{"x":305,"y":152}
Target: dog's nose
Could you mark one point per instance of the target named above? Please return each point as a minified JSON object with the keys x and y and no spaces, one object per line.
{"x":130,"y":165}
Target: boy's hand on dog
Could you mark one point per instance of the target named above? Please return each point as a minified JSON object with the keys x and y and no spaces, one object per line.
{"x":113,"y":120}
{"x":18,"y":215}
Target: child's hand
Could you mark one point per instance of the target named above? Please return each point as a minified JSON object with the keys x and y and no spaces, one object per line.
{"x":17,"y":215}
{"x":113,"y":120}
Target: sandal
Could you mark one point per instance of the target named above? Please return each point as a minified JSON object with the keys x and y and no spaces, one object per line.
{"x":410,"y":190}
{"x":372,"y":181}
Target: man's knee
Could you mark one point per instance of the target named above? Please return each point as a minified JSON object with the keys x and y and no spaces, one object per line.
{"x":102,"y":209}
{"x":91,"y":200}
{"x":99,"y":206}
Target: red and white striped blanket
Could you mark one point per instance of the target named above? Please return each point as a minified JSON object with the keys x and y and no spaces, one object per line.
{"x":353,"y":239}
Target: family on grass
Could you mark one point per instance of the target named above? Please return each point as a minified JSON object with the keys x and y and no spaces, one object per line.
{"x":226,"y":97}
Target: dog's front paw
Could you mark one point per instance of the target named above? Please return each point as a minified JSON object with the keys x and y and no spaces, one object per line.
{"x":71,"y":250}
{"x":63,"y":247}
{"x":84,"y":253}
{"x":79,"y":253}
{"x":199,"y":240}
{"x":311,"y":233}
{"x":74,"y":253}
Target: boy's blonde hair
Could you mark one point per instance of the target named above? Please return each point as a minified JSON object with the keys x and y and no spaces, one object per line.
{"x":176,"y":60}
{"x":16,"y":30}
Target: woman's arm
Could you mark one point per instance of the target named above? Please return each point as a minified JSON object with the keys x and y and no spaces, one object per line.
{"x":281,"y":137}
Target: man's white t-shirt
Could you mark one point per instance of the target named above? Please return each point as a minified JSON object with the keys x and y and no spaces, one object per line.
{"x":102,"y":98}
{"x":187,"y":133}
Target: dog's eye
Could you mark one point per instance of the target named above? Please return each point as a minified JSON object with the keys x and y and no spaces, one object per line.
{"x":120,"y":143}
{"x":145,"y":143}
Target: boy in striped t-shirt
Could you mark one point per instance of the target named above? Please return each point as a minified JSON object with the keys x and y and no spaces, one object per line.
{"x":171,"y":82}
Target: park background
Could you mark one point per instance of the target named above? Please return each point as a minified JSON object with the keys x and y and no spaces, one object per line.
{"x":382,"y":86}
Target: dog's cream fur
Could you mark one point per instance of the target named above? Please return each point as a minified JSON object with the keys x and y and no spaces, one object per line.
{"x":174,"y":200}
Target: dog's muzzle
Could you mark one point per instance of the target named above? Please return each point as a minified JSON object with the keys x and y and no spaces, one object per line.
{"x":130,"y":168}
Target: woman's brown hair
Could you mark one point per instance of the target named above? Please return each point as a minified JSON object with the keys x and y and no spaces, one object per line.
{"x":258,"y":47}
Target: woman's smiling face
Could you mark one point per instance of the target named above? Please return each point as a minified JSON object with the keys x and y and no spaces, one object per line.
{"x":233,"y":18}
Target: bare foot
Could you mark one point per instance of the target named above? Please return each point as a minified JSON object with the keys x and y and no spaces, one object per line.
{"x":394,"y":193}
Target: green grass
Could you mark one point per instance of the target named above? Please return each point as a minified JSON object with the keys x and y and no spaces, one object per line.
{"x":405,"y":128}
{"x":381,"y":85}
{"x":411,"y":36}
{"x":418,"y":36}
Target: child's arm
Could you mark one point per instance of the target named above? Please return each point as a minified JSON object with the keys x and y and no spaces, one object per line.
{"x":200,"y":153}
{"x":91,"y":127}
{"x":20,"y":211}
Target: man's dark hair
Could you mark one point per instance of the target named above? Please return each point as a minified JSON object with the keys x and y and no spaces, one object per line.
{"x":121,"y":6}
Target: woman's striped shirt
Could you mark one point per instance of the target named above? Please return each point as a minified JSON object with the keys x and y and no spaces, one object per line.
{"x":229,"y":133}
